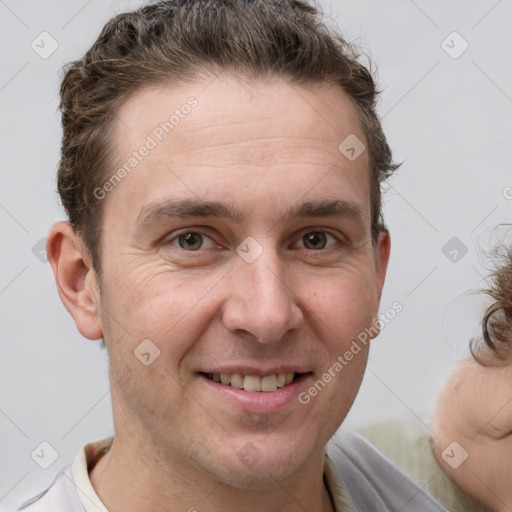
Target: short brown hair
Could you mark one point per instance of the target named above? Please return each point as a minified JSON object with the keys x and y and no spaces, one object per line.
{"x":176,"y":42}
{"x":497,"y":320}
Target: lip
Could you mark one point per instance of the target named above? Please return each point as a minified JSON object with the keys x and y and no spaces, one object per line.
{"x":256,"y":402}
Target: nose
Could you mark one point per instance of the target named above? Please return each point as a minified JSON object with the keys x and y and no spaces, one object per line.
{"x":262,"y":302}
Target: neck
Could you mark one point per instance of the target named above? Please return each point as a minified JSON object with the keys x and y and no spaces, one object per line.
{"x":125,"y":481}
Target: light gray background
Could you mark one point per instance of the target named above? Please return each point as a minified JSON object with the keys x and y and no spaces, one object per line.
{"x":449,"y":119}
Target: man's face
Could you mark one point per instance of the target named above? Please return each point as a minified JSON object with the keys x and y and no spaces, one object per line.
{"x":290,"y":299}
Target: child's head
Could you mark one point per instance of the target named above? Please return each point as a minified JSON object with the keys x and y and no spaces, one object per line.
{"x":475,"y":407}
{"x":496,"y":345}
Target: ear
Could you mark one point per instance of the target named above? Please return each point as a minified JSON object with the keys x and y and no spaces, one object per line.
{"x":75,"y":278}
{"x":382,"y":252}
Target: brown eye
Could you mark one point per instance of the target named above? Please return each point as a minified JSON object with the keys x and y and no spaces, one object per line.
{"x":315,"y":240}
{"x":190,"y":241}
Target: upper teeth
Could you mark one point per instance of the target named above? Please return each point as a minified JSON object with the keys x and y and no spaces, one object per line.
{"x":253,"y":382}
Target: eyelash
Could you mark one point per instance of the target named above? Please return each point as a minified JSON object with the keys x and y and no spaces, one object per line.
{"x":303,"y":234}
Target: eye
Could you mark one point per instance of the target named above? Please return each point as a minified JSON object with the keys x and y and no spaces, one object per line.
{"x":192,"y":241}
{"x":317,"y":240}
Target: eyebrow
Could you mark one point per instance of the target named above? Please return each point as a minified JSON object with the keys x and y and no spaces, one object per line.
{"x":163,"y":210}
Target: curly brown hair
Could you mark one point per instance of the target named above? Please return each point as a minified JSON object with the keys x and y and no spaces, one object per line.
{"x":177,"y":42}
{"x":497,"y":321}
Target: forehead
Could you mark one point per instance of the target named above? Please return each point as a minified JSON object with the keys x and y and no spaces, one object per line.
{"x":268,"y":137}
{"x":325,"y":110}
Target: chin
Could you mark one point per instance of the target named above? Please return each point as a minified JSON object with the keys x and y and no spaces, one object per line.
{"x":262,"y":476}
{"x":265,"y":465}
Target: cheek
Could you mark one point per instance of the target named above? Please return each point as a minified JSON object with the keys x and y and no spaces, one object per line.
{"x":344,"y":307}
{"x":153,"y":303}
{"x":151,"y":334}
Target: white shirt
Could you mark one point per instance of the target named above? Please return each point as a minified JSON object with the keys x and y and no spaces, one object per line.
{"x":71,"y":490}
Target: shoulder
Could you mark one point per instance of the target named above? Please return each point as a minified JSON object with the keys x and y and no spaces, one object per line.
{"x":409,"y":445}
{"x":72,"y":491}
{"x":61,"y":496}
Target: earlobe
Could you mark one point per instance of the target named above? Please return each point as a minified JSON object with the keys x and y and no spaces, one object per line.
{"x":75,"y":278}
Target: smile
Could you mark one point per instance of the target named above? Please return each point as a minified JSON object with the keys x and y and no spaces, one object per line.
{"x":254,"y":383}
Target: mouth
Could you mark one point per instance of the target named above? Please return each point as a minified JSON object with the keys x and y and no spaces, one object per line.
{"x":254,"y":383}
